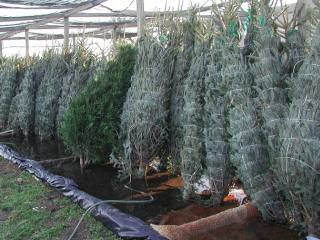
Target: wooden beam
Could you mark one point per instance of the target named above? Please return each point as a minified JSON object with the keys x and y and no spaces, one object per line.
{"x":61,"y":36}
{"x":42,"y":16}
{"x":75,"y":25}
{"x":54,"y":17}
{"x":27,"y":42}
{"x":140,"y":17}
{"x":127,"y":13}
{"x":66,"y":34}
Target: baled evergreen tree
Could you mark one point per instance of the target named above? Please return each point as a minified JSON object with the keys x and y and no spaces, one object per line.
{"x":193,"y":149}
{"x":215,"y":124}
{"x":80,"y":69}
{"x":47,"y":100}
{"x":144,"y":121}
{"x":180,"y":73}
{"x":25,"y":99}
{"x":272,"y":103}
{"x":9,"y":78}
{"x":248,"y":149}
{"x":298,"y":168}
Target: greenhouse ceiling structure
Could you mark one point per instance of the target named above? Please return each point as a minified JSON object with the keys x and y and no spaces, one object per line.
{"x":29,"y":26}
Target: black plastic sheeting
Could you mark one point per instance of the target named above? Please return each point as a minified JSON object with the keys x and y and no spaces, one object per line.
{"x":122,"y":224}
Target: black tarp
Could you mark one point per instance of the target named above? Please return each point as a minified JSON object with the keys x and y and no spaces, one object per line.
{"x":122,"y":224}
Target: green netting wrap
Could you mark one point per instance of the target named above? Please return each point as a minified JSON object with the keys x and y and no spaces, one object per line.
{"x":248,"y":151}
{"x":180,"y":73}
{"x":298,"y":168}
{"x":9,"y":85}
{"x":80,"y":70}
{"x":193,"y":152}
{"x":144,"y":121}
{"x":295,"y":50}
{"x":24,"y":107}
{"x":47,"y":100}
{"x":215,"y":126}
{"x":272,"y":101}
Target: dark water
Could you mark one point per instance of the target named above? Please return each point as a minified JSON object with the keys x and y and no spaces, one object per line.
{"x":101,"y":180}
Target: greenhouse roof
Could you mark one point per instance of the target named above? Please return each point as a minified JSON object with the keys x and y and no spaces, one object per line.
{"x":44,"y":19}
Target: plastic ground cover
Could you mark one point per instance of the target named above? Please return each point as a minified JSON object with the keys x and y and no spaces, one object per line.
{"x":122,"y":224}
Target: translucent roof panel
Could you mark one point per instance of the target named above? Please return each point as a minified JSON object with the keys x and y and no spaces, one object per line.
{"x":44,"y":18}
{"x":46,"y":2}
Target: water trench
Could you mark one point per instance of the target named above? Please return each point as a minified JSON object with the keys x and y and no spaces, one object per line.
{"x":168,"y":206}
{"x":101,"y":180}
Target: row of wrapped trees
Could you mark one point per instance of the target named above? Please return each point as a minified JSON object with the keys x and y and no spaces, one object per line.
{"x":231,"y":107}
{"x":36,"y":91}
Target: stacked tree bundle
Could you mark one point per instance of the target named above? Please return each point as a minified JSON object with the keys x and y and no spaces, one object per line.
{"x":10,"y":77}
{"x":144,"y":121}
{"x":47,"y":101}
{"x":23,"y":107}
{"x":215,"y":125}
{"x":298,"y":168}
{"x":80,"y":69}
{"x":180,"y":74}
{"x":272,"y":102}
{"x":193,"y":149}
{"x":248,"y":150}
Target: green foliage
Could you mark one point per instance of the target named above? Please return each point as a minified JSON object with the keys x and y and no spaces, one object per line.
{"x":81,"y":65}
{"x":248,"y":150}
{"x":272,"y":102}
{"x":193,"y":151}
{"x":144,"y":126}
{"x":215,"y":126}
{"x":9,"y":82}
{"x":90,"y":127}
{"x":295,"y":52}
{"x":47,"y":100}
{"x":180,"y":73}
{"x":23,"y":108}
{"x":297,"y":170}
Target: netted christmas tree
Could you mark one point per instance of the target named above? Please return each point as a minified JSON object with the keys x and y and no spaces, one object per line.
{"x":215,"y":125}
{"x":47,"y":100}
{"x":248,"y":149}
{"x":193,"y":149}
{"x":81,"y":65}
{"x":298,"y":168}
{"x":180,"y":73}
{"x":144,"y":119}
{"x":272,"y":102}
{"x":9,"y":78}
{"x":24,"y":101}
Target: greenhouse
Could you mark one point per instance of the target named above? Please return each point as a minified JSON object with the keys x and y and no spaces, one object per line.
{"x":178,"y":120}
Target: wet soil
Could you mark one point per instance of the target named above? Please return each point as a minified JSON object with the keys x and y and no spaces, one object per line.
{"x":168,"y":206}
{"x":101,"y":180}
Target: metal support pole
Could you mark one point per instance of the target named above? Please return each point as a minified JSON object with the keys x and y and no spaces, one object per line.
{"x":66,"y":34}
{"x":27,"y":42}
{"x":1,"y":46}
{"x":74,"y":41}
{"x":114,"y":36}
{"x":140,"y":17}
